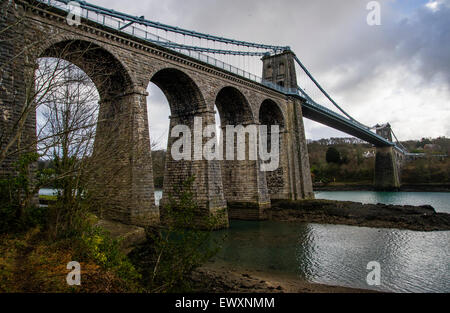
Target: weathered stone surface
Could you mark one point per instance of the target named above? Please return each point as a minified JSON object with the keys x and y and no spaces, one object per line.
{"x":124,"y":178}
{"x":388,"y":163}
{"x":386,"y":170}
{"x":129,"y":235}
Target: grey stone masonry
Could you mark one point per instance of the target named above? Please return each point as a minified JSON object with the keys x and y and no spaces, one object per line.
{"x":388,"y":163}
{"x":122,"y":67}
{"x":280,"y":69}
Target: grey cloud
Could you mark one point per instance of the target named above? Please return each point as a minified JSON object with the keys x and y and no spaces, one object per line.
{"x":332,"y":38}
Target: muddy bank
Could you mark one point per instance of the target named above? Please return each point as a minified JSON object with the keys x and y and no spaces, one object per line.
{"x":343,"y":187}
{"x":421,"y":218}
{"x":370,"y":187}
{"x":223,"y":278}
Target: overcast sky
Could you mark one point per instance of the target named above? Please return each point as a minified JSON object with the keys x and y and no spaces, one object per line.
{"x":398,"y":72}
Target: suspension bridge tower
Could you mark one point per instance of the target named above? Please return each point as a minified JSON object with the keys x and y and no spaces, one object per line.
{"x":387,"y":171}
{"x":279,"y":69}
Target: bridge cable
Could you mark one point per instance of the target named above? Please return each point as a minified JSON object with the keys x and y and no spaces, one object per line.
{"x":399,"y":143}
{"x":142,"y":21}
{"x":172,"y":45}
{"x":320,"y":87}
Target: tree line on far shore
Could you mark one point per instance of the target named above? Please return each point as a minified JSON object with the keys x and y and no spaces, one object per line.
{"x":350,"y":160}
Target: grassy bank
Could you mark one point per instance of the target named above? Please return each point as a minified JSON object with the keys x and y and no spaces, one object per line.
{"x":31,"y":263}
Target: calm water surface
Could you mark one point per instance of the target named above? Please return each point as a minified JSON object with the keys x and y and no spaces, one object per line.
{"x":439,"y":200}
{"x":47,"y":192}
{"x":338,"y":254}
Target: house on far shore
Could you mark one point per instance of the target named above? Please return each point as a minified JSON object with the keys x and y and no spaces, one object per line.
{"x":432,"y":148}
{"x":369,"y":154}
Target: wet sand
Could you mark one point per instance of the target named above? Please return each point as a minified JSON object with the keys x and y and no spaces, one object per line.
{"x":220,"y":277}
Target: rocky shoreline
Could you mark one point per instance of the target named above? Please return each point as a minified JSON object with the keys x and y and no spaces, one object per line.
{"x":370,"y":187}
{"x":224,"y":278}
{"x":418,"y":218}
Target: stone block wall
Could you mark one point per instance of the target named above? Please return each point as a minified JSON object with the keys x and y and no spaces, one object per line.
{"x":386,"y":170}
{"x":123,"y":180}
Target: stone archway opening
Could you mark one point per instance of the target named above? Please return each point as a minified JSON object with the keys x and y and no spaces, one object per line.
{"x":187,"y":108}
{"x":158,"y":110}
{"x":270,"y":114}
{"x":244,"y":185}
{"x":89,"y":91}
{"x":67,"y":106}
{"x":104,"y":69}
{"x":71,"y":79}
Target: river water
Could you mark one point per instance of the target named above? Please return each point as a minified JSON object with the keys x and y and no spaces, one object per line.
{"x":338,"y":255}
{"x":410,"y":261}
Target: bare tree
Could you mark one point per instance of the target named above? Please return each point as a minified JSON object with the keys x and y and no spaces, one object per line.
{"x":67,"y":120}
{"x":13,"y":125}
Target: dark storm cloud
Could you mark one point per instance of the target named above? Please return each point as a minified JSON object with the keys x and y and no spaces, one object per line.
{"x":426,"y":39}
{"x":420,"y":42}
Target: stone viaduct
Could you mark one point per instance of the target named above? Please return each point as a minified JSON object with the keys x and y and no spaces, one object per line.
{"x":122,"y":67}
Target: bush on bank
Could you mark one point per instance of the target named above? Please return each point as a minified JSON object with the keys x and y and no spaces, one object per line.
{"x":36,"y":243}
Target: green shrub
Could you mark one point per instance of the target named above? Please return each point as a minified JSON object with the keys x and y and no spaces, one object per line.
{"x":172,"y":252}
{"x":96,"y":244}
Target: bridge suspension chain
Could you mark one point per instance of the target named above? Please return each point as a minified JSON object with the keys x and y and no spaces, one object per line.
{"x":399,"y":143}
{"x":174,"y":45}
{"x":141,"y":20}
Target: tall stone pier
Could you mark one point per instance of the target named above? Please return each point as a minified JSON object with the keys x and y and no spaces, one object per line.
{"x":387,"y":167}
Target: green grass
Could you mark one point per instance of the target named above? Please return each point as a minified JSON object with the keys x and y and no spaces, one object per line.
{"x":48,"y":198}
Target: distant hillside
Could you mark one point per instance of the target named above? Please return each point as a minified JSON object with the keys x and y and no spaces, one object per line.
{"x":350,"y":160}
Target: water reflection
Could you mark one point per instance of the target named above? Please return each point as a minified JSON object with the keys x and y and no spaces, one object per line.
{"x":338,"y":255}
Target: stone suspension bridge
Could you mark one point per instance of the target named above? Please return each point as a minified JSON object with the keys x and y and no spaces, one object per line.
{"x":191,"y":69}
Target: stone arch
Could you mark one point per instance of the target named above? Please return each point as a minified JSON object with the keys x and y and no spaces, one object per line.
{"x":108,"y":73}
{"x":187,"y":105}
{"x":244,"y":184}
{"x":234,"y":109}
{"x":122,"y":183}
{"x":281,"y":69}
{"x":270,"y":114}
{"x":182,"y":93}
